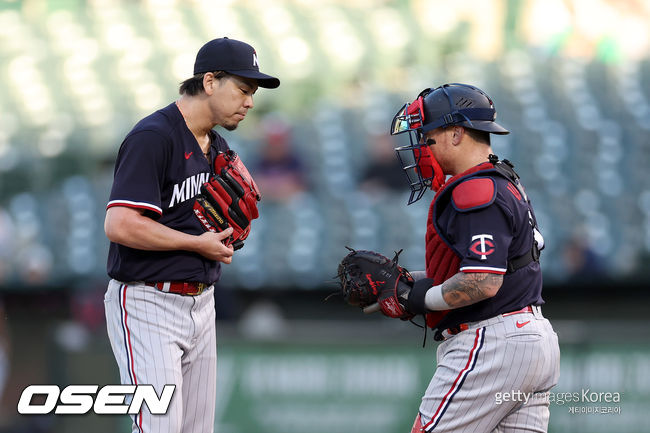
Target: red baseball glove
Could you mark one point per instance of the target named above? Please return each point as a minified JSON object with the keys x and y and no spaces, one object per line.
{"x":228,"y":199}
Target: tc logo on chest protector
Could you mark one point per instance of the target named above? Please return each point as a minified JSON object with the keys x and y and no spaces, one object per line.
{"x":482,"y":245}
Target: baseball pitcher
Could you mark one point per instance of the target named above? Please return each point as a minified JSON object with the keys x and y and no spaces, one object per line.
{"x":182,"y":202}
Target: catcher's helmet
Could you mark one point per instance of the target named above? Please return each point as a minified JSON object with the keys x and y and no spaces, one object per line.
{"x":447,"y":105}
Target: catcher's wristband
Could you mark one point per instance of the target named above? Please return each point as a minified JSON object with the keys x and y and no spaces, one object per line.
{"x":424,"y":298}
{"x":417,"y":294}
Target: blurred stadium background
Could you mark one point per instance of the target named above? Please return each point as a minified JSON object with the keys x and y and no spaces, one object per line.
{"x":570,"y":79}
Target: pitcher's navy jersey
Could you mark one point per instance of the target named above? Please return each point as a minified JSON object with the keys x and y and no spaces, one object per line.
{"x":160,"y":168}
{"x":486,"y":233}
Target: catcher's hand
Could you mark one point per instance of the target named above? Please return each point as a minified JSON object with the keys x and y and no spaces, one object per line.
{"x":228,"y":199}
{"x":374,"y":282}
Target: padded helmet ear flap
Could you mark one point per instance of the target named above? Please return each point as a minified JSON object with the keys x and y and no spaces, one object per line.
{"x":423,"y":157}
{"x":429,"y":168}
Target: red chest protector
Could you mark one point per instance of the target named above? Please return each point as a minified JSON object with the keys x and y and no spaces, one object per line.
{"x":441,"y":261}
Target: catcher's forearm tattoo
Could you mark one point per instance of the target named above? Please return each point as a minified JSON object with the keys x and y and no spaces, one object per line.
{"x":469,"y":288}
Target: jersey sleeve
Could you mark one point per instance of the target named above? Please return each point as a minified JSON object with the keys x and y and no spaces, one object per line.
{"x":139,"y":171}
{"x":483,"y":238}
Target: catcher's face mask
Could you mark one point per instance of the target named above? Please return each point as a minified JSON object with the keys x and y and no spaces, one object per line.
{"x":421,"y":168}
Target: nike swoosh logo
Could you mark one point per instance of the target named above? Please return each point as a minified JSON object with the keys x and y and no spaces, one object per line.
{"x":187,"y":155}
{"x":522,"y":324}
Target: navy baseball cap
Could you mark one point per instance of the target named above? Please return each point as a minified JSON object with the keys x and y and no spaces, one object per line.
{"x":232,"y":56}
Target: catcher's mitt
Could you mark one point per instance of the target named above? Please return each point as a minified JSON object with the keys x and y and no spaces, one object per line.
{"x":228,"y":199}
{"x":370,"y":280}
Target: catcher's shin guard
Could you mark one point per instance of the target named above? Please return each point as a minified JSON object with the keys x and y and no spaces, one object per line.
{"x":417,"y":425}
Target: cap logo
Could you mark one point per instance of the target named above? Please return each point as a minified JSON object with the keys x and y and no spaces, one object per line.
{"x":255,"y":60}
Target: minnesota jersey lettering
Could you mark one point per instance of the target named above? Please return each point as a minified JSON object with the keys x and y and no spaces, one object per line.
{"x":188,"y":188}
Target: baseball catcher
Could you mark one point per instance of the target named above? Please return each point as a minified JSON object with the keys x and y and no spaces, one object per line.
{"x":482,"y":284}
{"x":228,"y":199}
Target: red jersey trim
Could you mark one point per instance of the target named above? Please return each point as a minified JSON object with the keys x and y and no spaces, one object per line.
{"x":134,"y":204}
{"x":486,"y":269}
